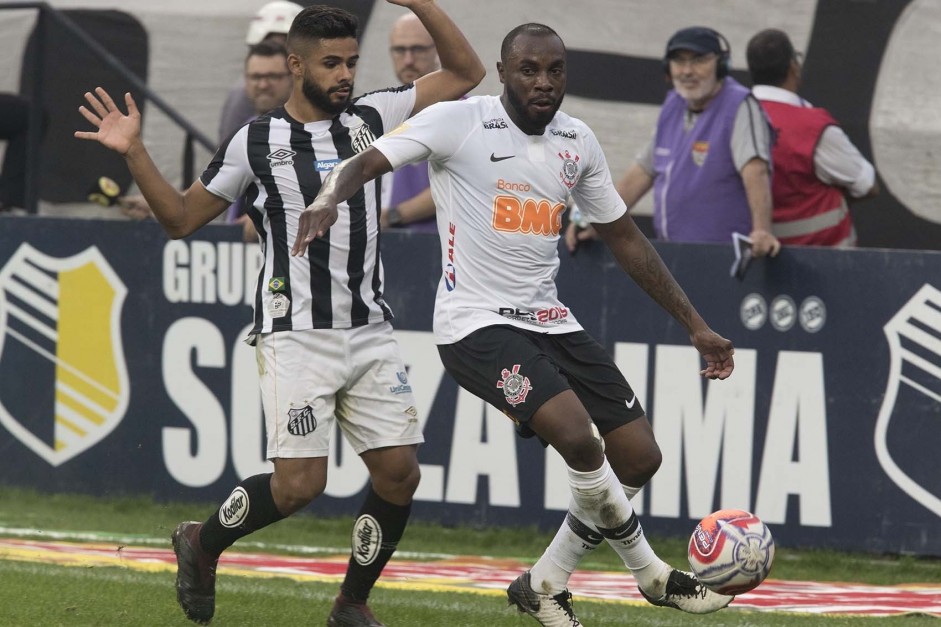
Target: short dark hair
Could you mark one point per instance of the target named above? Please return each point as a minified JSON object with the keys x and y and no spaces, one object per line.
{"x":266,"y":48}
{"x":770,"y":53}
{"x":534,"y":29}
{"x":321,"y":22}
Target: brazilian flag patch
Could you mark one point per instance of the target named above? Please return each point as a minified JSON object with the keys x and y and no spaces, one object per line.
{"x":276,"y":284}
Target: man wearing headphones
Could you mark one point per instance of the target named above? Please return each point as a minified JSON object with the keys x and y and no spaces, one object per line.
{"x":708,"y":160}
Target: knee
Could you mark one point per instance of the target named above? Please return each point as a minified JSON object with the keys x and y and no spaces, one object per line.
{"x":646,"y":466}
{"x":581,"y":451}
{"x":637,"y":468}
{"x":294,"y":491}
{"x":397,"y":483}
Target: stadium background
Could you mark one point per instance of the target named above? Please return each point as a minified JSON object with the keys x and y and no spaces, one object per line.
{"x":869,"y":62}
{"x":820,"y":422}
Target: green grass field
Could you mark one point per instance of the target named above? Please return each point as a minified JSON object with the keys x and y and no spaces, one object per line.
{"x":40,"y":594}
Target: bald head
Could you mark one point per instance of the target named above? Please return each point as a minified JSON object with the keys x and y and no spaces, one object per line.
{"x":412,"y":49}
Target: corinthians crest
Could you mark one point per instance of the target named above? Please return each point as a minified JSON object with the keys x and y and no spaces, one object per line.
{"x":60,"y":338}
{"x":569,"y":172}
{"x":909,"y":418}
{"x":514,"y":385}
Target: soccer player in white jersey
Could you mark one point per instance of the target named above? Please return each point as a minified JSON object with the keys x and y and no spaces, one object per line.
{"x":501,"y":168}
{"x":322,"y":333}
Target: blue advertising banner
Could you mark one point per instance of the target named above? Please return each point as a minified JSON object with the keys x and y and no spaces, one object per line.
{"x":123,"y":371}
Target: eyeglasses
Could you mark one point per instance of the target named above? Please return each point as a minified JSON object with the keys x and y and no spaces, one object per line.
{"x":415,"y":51}
{"x":695,"y":60}
{"x":270,"y":76}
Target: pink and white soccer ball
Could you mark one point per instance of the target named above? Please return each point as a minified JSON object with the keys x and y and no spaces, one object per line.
{"x":731,"y":551}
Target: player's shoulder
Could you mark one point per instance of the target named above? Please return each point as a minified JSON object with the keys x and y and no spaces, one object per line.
{"x":381,"y":99}
{"x":380,"y":94}
{"x":464,"y":106}
{"x":462,"y":113}
{"x":568,"y":127}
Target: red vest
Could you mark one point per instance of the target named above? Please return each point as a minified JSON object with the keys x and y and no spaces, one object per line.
{"x":807,"y":211}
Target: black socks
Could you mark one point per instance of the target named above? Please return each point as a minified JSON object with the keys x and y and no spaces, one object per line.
{"x":249,"y":508}
{"x":376,"y":533}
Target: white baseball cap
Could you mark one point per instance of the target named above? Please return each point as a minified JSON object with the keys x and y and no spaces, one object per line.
{"x":274,"y":17}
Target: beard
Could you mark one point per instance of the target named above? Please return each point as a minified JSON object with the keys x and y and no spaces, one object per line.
{"x":539,"y":119}
{"x":321,"y":99}
{"x":698,"y":94}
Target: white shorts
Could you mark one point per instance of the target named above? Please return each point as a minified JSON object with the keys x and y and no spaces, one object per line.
{"x":309,"y":379}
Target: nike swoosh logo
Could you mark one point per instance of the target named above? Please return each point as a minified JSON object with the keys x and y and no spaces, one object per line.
{"x":631,"y":402}
{"x":495,"y":158}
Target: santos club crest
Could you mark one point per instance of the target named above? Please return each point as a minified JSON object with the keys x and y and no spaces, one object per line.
{"x":909,"y":423}
{"x":66,"y":386}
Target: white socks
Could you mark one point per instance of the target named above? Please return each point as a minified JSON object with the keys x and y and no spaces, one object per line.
{"x":593,"y":492}
{"x":574,"y":540}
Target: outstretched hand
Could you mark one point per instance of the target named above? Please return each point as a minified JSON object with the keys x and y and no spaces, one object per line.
{"x":313,"y":222}
{"x":116,"y":131}
{"x":717,"y":351}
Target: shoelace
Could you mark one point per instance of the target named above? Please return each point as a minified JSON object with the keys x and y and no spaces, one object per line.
{"x":564,"y":599}
{"x":690,"y":588}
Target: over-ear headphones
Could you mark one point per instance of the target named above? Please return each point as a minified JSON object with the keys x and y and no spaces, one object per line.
{"x":697,"y":36}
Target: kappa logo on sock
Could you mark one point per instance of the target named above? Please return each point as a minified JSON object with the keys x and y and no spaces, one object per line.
{"x":235,"y":509}
{"x":911,"y":391}
{"x":367,"y":538}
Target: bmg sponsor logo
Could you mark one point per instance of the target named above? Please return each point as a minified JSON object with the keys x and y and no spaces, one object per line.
{"x":536,"y":217}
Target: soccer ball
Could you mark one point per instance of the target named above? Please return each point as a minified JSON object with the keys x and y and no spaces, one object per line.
{"x":731,"y":551}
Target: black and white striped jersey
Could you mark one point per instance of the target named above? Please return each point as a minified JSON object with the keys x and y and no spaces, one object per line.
{"x":278,"y":165}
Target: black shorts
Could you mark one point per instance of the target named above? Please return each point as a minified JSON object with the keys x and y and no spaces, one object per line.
{"x":516,"y":371}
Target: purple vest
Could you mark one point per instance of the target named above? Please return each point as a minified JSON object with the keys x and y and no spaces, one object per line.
{"x":407,"y":182}
{"x":698,"y":192}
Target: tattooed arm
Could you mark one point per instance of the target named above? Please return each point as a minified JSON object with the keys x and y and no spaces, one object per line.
{"x":638,"y":258}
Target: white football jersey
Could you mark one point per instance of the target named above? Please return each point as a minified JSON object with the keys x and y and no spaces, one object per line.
{"x":500,"y":195}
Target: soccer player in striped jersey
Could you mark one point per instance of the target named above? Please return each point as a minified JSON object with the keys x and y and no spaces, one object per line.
{"x":502,"y":169}
{"x":322,"y":333}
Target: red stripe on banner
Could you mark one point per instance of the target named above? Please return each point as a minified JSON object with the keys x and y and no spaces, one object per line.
{"x":485,"y":575}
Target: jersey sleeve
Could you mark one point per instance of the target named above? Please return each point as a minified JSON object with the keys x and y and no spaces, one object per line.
{"x":229,"y":174}
{"x":838,"y":162}
{"x":434,"y":134}
{"x":595,"y":194}
{"x":394,"y":105}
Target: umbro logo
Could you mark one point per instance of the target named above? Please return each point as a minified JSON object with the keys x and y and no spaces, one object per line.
{"x":494,"y":158}
{"x":281,"y":156}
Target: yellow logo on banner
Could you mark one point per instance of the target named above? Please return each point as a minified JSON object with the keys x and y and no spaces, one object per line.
{"x":66,"y":312}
